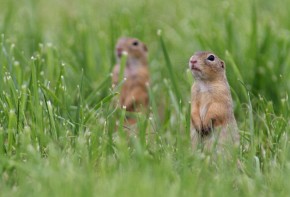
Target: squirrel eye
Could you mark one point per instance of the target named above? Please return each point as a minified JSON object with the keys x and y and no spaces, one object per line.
{"x":135,"y":43}
{"x":210,"y":58}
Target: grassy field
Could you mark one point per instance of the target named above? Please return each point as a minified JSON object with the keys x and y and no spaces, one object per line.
{"x":57,"y":113}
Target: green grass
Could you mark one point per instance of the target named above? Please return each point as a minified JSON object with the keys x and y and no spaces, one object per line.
{"x":58,"y":119}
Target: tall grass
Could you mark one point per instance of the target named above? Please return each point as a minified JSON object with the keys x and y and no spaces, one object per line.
{"x":62,"y":135}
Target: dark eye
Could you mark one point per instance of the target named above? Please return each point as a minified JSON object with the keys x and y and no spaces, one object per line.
{"x":135,"y":43}
{"x":210,"y":58}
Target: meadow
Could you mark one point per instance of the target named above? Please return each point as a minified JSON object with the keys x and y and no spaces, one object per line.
{"x":58,"y":118}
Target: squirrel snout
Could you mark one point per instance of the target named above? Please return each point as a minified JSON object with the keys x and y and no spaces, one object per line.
{"x":193,"y":61}
{"x":193,"y":65}
{"x":119,"y":51}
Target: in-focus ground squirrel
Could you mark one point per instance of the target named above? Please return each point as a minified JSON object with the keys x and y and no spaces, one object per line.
{"x":212,"y":116}
{"x":134,"y":93}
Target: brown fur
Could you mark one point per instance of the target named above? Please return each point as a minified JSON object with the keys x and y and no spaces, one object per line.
{"x":134,"y":94}
{"x":212,"y":116}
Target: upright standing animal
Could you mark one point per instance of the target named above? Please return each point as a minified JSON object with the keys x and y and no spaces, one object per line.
{"x":134,"y":93}
{"x":212,"y":117}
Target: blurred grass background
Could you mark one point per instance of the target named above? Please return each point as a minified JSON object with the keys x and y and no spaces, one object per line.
{"x":57,"y":117}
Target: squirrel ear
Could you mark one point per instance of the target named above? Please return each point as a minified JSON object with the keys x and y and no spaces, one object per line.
{"x":223,"y":64}
{"x":145,"y":48}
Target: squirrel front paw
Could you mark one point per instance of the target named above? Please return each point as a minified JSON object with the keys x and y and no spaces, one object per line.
{"x":205,"y":131}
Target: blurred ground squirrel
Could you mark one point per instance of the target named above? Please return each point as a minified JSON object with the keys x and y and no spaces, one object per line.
{"x":134,"y":94}
{"x":212,"y":116}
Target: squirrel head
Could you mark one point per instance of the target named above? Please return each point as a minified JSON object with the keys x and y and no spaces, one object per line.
{"x":207,"y":66}
{"x":135,"y":49}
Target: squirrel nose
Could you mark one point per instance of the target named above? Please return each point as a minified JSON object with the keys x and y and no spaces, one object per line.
{"x":193,"y":61}
{"x":119,"y":51}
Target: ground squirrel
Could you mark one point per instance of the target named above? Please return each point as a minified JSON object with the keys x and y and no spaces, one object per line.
{"x":134,"y":94}
{"x":212,"y":116}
